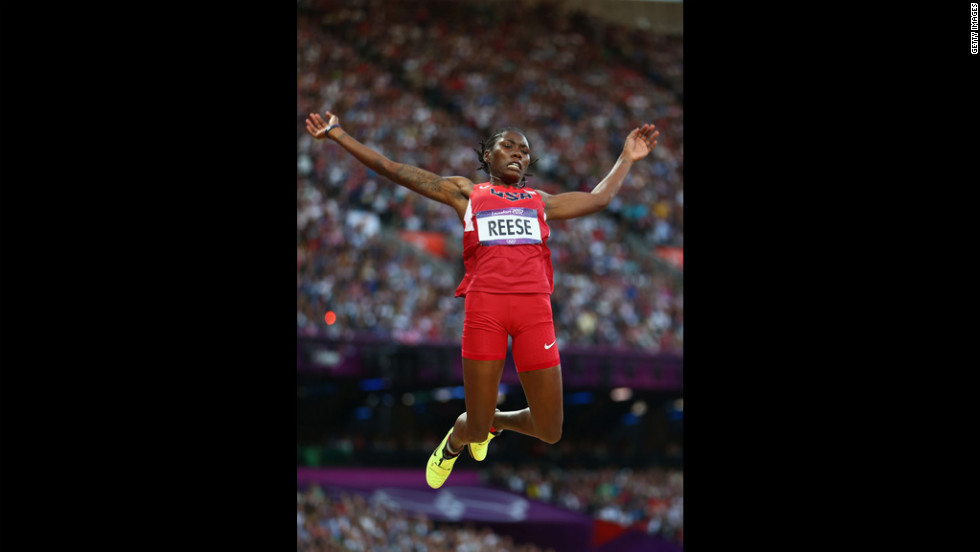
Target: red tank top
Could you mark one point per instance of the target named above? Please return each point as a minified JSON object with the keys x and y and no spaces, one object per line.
{"x":505,"y":240}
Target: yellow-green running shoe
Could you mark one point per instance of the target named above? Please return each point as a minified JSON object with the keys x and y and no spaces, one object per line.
{"x":479,"y":450}
{"x":439,"y":466}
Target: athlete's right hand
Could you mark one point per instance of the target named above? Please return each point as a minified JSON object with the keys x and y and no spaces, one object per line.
{"x":317,"y":127}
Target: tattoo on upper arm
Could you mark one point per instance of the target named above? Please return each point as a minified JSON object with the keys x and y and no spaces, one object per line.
{"x":419,"y":180}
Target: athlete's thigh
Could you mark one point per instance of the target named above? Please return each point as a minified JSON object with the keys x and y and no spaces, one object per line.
{"x":543,"y":391}
{"x":484,"y":330}
{"x":534,"y":343}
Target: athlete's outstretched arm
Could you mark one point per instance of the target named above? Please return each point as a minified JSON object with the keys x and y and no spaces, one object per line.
{"x":453,"y":190}
{"x":639,"y":143}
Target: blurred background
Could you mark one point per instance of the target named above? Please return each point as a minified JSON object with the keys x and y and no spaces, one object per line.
{"x":423,"y":82}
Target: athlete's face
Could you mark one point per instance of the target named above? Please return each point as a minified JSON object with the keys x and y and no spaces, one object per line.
{"x":508,"y":158}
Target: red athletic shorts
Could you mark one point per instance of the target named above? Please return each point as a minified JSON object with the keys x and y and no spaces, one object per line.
{"x":490,"y":317}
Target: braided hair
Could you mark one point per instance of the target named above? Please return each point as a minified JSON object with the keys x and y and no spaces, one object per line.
{"x":494,"y":137}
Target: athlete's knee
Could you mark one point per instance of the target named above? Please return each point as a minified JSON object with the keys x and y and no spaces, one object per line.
{"x":551,"y":437}
{"x":550,"y":434}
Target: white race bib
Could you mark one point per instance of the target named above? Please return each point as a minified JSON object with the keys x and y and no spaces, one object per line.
{"x":512,"y":226}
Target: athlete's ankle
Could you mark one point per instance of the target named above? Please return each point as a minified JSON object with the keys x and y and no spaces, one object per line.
{"x":448,"y":452}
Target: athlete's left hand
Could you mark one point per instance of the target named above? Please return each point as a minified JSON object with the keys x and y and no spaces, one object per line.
{"x":640,"y":142}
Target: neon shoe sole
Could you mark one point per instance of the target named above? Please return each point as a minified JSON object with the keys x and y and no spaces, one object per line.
{"x":479,"y":450}
{"x":439,"y":467}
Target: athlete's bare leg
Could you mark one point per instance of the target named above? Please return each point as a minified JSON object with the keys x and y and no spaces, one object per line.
{"x":544,"y":415}
{"x":481,"y":382}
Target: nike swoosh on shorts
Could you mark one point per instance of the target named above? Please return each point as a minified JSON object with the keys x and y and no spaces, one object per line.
{"x":552,"y":344}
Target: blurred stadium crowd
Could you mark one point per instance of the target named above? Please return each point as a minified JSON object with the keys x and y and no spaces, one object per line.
{"x":423,"y":83}
{"x":650,"y":499}
{"x":350,"y":522}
